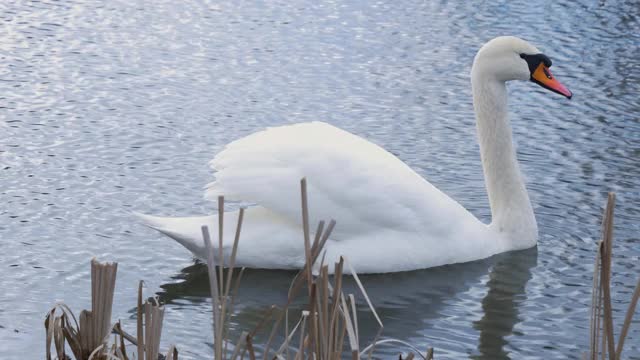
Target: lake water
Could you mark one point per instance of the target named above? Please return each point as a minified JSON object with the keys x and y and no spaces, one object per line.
{"x":113,"y":107}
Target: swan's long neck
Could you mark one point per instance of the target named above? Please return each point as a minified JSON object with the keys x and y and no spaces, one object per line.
{"x":511,"y":209}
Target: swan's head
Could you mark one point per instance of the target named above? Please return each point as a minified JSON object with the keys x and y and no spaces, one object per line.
{"x":508,"y":58}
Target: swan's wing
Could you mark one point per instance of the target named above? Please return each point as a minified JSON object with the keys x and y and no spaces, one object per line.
{"x":354,"y":181}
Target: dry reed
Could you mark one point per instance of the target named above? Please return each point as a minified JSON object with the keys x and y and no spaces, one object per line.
{"x":602,"y":340}
{"x":330,"y":316}
{"x":89,"y":339}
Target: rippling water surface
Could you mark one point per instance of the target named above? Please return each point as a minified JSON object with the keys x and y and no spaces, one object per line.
{"x":113,"y":107}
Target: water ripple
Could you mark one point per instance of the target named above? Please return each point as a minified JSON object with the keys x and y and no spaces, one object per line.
{"x":107,"y":108}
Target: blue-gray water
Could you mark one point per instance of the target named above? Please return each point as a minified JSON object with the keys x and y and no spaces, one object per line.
{"x":112,"y":107}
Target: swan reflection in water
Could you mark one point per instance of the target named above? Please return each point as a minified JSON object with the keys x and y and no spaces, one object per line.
{"x":442,"y":307}
{"x":506,"y":291}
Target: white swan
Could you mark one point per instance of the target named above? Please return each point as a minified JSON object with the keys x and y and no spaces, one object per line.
{"x":388,"y":217}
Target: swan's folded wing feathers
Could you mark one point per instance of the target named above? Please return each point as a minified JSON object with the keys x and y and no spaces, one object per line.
{"x":350,"y":179}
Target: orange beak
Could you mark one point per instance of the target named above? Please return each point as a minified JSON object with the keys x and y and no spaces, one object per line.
{"x":543,"y":77}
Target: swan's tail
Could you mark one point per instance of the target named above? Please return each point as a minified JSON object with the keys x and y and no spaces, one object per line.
{"x":267,"y":240}
{"x":185,"y":230}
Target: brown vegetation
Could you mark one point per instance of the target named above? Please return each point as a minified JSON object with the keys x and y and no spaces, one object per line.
{"x":327,"y":326}
{"x":602,"y":339}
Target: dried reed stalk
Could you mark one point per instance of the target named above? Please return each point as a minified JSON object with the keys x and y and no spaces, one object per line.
{"x":215,"y":298}
{"x":139,"y":328}
{"x":221,"y":301}
{"x":153,"y":317}
{"x":429,"y":355}
{"x":627,"y":319}
{"x":220,"y":236}
{"x":305,"y":228}
{"x":605,"y":276}
{"x":601,"y":309}
{"x":330,"y":316}
{"x":89,"y":337}
{"x":95,"y":325}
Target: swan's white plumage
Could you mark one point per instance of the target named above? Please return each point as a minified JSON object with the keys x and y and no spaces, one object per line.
{"x":264,"y":234}
{"x":388,"y":217}
{"x":352,"y":180}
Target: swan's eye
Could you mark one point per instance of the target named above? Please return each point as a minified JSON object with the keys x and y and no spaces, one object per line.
{"x":534,"y":60}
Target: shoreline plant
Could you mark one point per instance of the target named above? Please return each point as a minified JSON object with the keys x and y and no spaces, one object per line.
{"x":327,"y":328}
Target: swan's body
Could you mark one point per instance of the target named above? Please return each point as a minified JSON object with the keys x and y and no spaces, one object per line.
{"x":388,"y":217}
